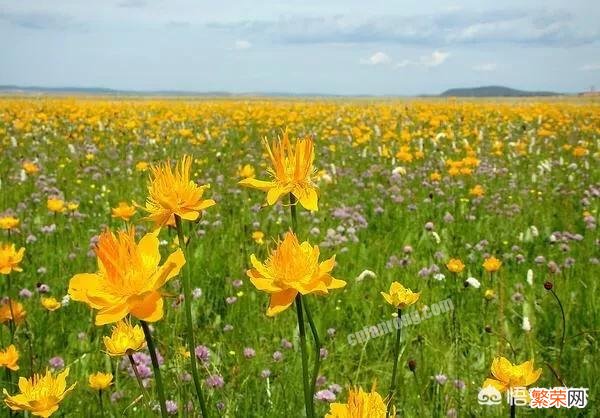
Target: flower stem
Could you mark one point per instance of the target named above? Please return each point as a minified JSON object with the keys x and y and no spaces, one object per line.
{"x":187,"y":296}
{"x":315,"y":334}
{"x":159,"y":384}
{"x":308,"y":403}
{"x":564,"y":325}
{"x":396,"y":354}
{"x":293,"y":213}
{"x":138,"y":378}
{"x":513,"y":411}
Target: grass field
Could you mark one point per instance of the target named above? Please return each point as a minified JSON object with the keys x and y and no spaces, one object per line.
{"x":403,"y":188}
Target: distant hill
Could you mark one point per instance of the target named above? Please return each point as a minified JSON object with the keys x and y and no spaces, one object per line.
{"x":494,"y":91}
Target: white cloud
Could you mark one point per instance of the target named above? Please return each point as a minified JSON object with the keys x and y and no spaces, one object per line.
{"x":590,"y":67}
{"x":486,"y":67}
{"x":242,"y":44}
{"x":377,"y":58}
{"x":434,"y":59}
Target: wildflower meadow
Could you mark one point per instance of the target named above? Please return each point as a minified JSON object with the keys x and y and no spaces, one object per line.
{"x":249,"y":257}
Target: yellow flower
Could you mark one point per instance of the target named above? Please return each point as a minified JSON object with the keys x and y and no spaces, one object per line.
{"x":258,"y":236}
{"x":55,"y":205}
{"x":30,"y":167}
{"x":292,"y":171}
{"x":142,"y":166}
{"x":435,"y":176}
{"x":455,"y":265}
{"x":51,"y":304}
{"x":492,"y":264}
{"x":72,"y":206}
{"x":174,"y":193}
{"x":10,"y":258}
{"x":8,"y":222}
{"x":361,"y":404}
{"x":507,"y":375}
{"x":489,"y":294}
{"x":128,"y":280}
{"x":124,"y":339}
{"x":10,"y":308}
{"x":477,"y":191}
{"x":292,"y":268}
{"x":9,"y":358}
{"x":100,"y":381}
{"x":123,"y":211}
{"x":40,"y":394}
{"x":246,"y":171}
{"x":400,"y":296}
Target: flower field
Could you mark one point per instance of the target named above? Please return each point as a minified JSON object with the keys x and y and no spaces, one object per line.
{"x":289,"y":258}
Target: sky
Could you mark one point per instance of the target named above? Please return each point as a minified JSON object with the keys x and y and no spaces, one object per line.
{"x":374,"y":47}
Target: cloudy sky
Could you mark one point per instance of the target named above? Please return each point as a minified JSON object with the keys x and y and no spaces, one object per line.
{"x":311,"y":46}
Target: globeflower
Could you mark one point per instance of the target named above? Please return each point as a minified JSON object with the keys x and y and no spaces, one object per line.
{"x":8,"y":222}
{"x":12,"y":311}
{"x":477,"y":191}
{"x":129,"y":278}
{"x":125,"y":339}
{"x":507,"y":375}
{"x":361,"y":404}
{"x":9,"y":358}
{"x":247,"y":171}
{"x":455,"y":265}
{"x":292,"y":268}
{"x":10,"y":258}
{"x":100,"y":381}
{"x":492,"y":264}
{"x":40,"y":395}
{"x":292,"y":172}
{"x":400,"y":296}
{"x":55,"y":205}
{"x":50,"y":304}
{"x":123,"y":211}
{"x":30,"y":167}
{"x":174,"y":193}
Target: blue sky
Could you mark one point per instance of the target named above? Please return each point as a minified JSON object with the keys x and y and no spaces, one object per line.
{"x":377,"y":47}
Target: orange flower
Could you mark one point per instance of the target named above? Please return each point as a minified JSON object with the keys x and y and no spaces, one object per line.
{"x":30,"y":167}
{"x":507,"y":375}
{"x":10,"y":258}
{"x":40,"y":394}
{"x":455,"y":265}
{"x":129,"y":278}
{"x":492,"y":264}
{"x":10,"y":308}
{"x":9,"y":358}
{"x":123,"y":211}
{"x":174,"y":193}
{"x":292,"y":268}
{"x":292,"y":171}
{"x":361,"y":404}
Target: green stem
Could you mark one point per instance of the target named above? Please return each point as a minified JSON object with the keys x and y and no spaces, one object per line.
{"x":513,"y":411}
{"x":156,"y":367}
{"x":315,"y":334}
{"x":396,"y":355}
{"x":12,"y":323}
{"x":308,"y":403}
{"x":564,"y":325}
{"x":101,"y":405}
{"x":187,"y":296}
{"x":293,"y":213}
{"x":139,"y":379}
